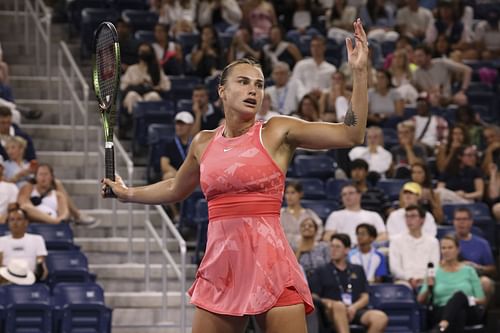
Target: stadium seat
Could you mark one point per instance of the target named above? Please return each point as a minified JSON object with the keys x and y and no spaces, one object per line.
{"x":212,"y":84}
{"x":91,"y":18}
{"x":399,"y":303}
{"x":390,"y":138}
{"x":121,"y":5}
{"x":79,"y":307}
{"x":225,"y":39}
{"x":321,"y":207}
{"x":313,"y":188}
{"x":486,"y":99}
{"x":184,"y":105}
{"x":391,"y":187}
{"x":388,"y":47}
{"x":67,"y":266}
{"x":140,"y":19}
{"x":332,"y":52}
{"x":147,"y":113}
{"x":182,"y":86}
{"x":201,"y":219}
{"x":56,"y":236}
{"x":333,"y":187}
{"x":188,"y":41}
{"x":158,"y":136}
{"x":319,"y":166}
{"x":4,"y":229}
{"x":75,"y":9}
{"x":479,"y":211}
{"x":28,"y":309}
{"x":145,"y":36}
{"x":188,"y":209}
{"x":3,"y":313}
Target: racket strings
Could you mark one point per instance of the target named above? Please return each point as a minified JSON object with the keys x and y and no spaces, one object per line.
{"x":106,"y":65}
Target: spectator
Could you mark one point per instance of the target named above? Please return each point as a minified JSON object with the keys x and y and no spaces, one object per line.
{"x":178,"y":14}
{"x":294,"y":214}
{"x":457,"y":137}
{"x":409,"y":253}
{"x":474,"y":250}
{"x":243,"y":46}
{"x":176,"y":151}
{"x":378,"y":158}
{"x":487,"y":35}
{"x":42,"y":202}
{"x":402,"y":74}
{"x":315,"y":72}
{"x":384,"y":101}
{"x":222,"y":14}
{"x":20,"y":245}
{"x":491,"y":134}
{"x":429,"y":199}
{"x":279,"y":50}
{"x":378,"y":18}
{"x":435,"y":77}
{"x":346,"y":220}
{"x":396,"y":222}
{"x":261,"y":16}
{"x":285,"y":93}
{"x":168,"y":53}
{"x":128,"y":45}
{"x":206,"y":115}
{"x":461,"y":182}
{"x":310,"y":253}
{"x":17,"y":273}
{"x":334,"y":101}
{"x":308,"y":108}
{"x":303,"y":17}
{"x":407,"y":152}
{"x":365,"y":254}
{"x":430,"y":129}
{"x":8,"y":194}
{"x":339,"y":20}
{"x":17,"y":170}
{"x":467,"y":118}
{"x":8,"y":129}
{"x":342,"y":290}
{"x":372,"y":198}
{"x":143,"y":81}
{"x":206,"y":57}
{"x":494,"y":191}
{"x":456,"y":291}
{"x":413,"y":20}
{"x":266,"y":112}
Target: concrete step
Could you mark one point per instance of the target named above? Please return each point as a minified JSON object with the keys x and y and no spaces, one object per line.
{"x":134,"y":320}
{"x":14,"y":48}
{"x":62,"y":132}
{"x":145,"y":299}
{"x":95,"y":201}
{"x":135,"y":271}
{"x":30,"y":70}
{"x":51,"y":109}
{"x":90,"y":187}
{"x":121,"y":245}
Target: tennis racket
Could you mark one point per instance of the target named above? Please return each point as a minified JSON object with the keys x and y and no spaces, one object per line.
{"x":105,"y":79}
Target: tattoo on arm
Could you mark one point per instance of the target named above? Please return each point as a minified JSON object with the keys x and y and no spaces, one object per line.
{"x":350,"y":117}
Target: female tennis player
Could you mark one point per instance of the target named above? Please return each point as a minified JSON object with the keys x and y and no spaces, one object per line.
{"x":248,"y":267}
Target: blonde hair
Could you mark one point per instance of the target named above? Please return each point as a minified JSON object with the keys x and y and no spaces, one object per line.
{"x":17,"y":140}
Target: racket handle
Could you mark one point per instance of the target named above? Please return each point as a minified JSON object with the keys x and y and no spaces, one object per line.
{"x":109,"y":161}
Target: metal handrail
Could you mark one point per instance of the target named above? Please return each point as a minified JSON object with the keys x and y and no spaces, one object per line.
{"x":40,"y":14}
{"x":70,"y":80}
{"x":180,"y":272}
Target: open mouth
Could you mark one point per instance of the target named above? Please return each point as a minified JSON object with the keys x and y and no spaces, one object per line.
{"x":250,"y":101}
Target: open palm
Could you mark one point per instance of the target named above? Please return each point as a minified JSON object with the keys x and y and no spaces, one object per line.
{"x":358,"y":56}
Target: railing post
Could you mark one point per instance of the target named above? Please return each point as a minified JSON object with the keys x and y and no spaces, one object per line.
{"x":86,"y":128}
{"x":48,"y":54}
{"x":26,"y":27}
{"x":60,"y":84}
{"x":147,"y":264}
{"x":130,"y":217}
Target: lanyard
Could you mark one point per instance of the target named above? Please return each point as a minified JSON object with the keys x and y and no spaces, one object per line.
{"x":367,"y":268}
{"x":181,"y":150}
{"x":341,"y":287}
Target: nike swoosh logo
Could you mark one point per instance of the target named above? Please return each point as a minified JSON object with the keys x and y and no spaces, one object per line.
{"x":227,"y":149}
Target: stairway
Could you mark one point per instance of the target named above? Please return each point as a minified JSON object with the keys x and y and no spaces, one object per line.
{"x":135,"y":310}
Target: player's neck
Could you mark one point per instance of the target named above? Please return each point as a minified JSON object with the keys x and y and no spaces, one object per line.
{"x":235,"y":128}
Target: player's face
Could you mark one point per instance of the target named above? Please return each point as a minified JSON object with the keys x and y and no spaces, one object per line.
{"x":244,"y":90}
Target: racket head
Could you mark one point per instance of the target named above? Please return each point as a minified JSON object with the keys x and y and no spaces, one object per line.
{"x":106,"y":65}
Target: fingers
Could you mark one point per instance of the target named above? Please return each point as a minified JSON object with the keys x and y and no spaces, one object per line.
{"x":359,"y":33}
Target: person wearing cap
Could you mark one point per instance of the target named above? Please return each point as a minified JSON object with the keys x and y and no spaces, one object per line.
{"x":429,"y":129}
{"x":22,"y":245}
{"x":396,"y":222}
{"x":8,"y":194}
{"x":17,"y":272}
{"x":177,"y":149}
{"x":411,"y":252}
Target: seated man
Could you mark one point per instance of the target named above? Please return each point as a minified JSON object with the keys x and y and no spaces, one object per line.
{"x":342,"y":289}
{"x":365,"y":254}
{"x":411,"y":252}
{"x":474,"y":250}
{"x":396,"y":223}
{"x":22,"y":245}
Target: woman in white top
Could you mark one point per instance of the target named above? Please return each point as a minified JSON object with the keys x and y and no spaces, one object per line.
{"x":16,"y":169}
{"x":41,"y":201}
{"x":401,"y":76}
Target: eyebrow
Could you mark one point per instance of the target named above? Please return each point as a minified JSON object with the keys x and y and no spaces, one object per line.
{"x":248,"y":78}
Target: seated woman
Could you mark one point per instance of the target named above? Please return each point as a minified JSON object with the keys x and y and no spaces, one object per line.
{"x":168,"y":52}
{"x":308,"y":109}
{"x":41,"y":201}
{"x":293,"y":214}
{"x":384,"y":101}
{"x":429,"y":199}
{"x":16,"y":169}
{"x":205,"y":57}
{"x":143,"y":81}
{"x":334,"y":102}
{"x":310,"y":252}
{"x":457,"y":137}
{"x":457,"y":291}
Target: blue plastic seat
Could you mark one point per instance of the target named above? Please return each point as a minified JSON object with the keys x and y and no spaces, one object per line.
{"x":145,"y":36}
{"x":313,"y":188}
{"x":184,"y":105}
{"x":479,"y":211}
{"x":91,"y":18}
{"x":321,"y":207}
{"x":399,"y":303}
{"x":188,"y":41}
{"x":3,"y":312}
{"x":391,"y":187}
{"x":146,"y":114}
{"x":67,"y":266}
{"x":140,"y":19}
{"x":74,"y":11}
{"x":188,"y":208}
{"x":201,"y":219}
{"x":80,"y":307}
{"x":4,"y":229}
{"x":56,"y":236}
{"x":488,"y":99}
{"x":158,"y":136}
{"x":318,"y":166}
{"x":390,"y":138}
{"x":28,"y":309}
{"x":334,"y":186}
{"x":128,"y":4}
{"x":182,"y":86}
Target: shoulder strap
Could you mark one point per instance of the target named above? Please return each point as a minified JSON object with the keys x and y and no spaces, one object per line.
{"x":425,"y":128}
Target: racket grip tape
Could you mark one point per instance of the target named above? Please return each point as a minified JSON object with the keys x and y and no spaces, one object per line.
{"x":109,"y":161}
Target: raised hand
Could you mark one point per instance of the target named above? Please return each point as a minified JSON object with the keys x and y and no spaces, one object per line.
{"x":358,"y":56}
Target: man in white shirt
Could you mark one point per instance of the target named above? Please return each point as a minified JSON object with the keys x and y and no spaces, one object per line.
{"x":346,"y":220}
{"x":8,"y":194}
{"x":429,"y":129}
{"x":378,"y":158}
{"x":286,"y":93}
{"x":413,"y":20}
{"x":410,"y":253}
{"x":396,"y":222}
{"x":314,"y":72}
{"x":21,"y":245}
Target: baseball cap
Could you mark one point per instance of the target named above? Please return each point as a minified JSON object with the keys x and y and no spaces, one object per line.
{"x":413,"y":188}
{"x":185,"y":117}
{"x":423,"y":96}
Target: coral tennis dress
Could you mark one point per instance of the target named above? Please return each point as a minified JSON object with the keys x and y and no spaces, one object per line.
{"x":248,"y":263}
